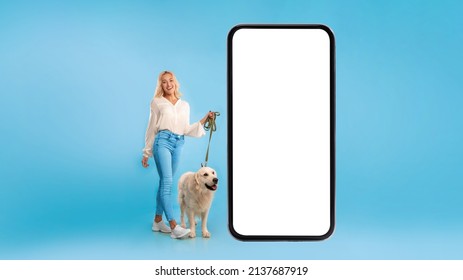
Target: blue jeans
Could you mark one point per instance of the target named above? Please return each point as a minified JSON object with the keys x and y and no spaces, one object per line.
{"x":167,"y":149}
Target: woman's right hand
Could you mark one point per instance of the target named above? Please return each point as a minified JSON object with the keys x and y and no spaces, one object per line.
{"x":144,"y":162}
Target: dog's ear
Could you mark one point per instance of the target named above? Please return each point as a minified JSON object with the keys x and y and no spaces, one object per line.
{"x":197,"y":181}
{"x":197,"y":178}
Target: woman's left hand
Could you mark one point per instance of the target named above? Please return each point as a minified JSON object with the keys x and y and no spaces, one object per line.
{"x":210,"y":115}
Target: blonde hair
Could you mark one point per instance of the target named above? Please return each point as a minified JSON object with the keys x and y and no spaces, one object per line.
{"x":160,"y":92}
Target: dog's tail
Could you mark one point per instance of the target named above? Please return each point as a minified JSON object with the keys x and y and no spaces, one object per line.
{"x":180,"y":190}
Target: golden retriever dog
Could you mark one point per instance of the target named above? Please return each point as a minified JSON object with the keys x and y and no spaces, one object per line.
{"x":195,"y":194}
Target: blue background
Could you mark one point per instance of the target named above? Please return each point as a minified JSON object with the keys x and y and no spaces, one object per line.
{"x":76,"y":80}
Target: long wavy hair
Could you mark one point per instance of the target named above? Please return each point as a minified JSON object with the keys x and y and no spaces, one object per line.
{"x":160,"y":92}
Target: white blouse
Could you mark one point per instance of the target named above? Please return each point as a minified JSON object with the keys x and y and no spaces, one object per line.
{"x":175,"y":118}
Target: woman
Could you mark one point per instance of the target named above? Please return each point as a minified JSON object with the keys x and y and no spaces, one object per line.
{"x":169,"y":121}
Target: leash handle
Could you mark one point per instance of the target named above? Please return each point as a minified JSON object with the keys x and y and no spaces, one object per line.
{"x":210,"y":122}
{"x":211,"y":126}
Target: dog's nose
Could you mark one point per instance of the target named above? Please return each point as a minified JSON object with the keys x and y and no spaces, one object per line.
{"x":215,"y":180}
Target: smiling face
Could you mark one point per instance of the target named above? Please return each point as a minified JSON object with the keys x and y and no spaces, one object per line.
{"x":168,"y":84}
{"x":207,"y":177}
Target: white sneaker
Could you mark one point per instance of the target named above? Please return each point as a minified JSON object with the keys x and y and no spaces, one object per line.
{"x":179,"y":232}
{"x":161,"y":227}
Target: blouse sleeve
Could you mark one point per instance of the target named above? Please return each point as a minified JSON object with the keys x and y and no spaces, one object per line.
{"x":151,"y":130}
{"x":194,"y":130}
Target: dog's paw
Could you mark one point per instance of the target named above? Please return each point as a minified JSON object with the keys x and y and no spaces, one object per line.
{"x":192,"y":234}
{"x":206,"y":234}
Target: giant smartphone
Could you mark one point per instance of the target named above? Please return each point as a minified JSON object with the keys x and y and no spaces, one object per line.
{"x":281,"y":132}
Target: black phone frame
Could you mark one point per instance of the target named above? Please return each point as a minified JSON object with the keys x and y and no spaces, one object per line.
{"x":230,"y":133}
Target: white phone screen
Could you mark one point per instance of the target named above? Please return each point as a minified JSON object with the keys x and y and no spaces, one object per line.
{"x":281,"y":132}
